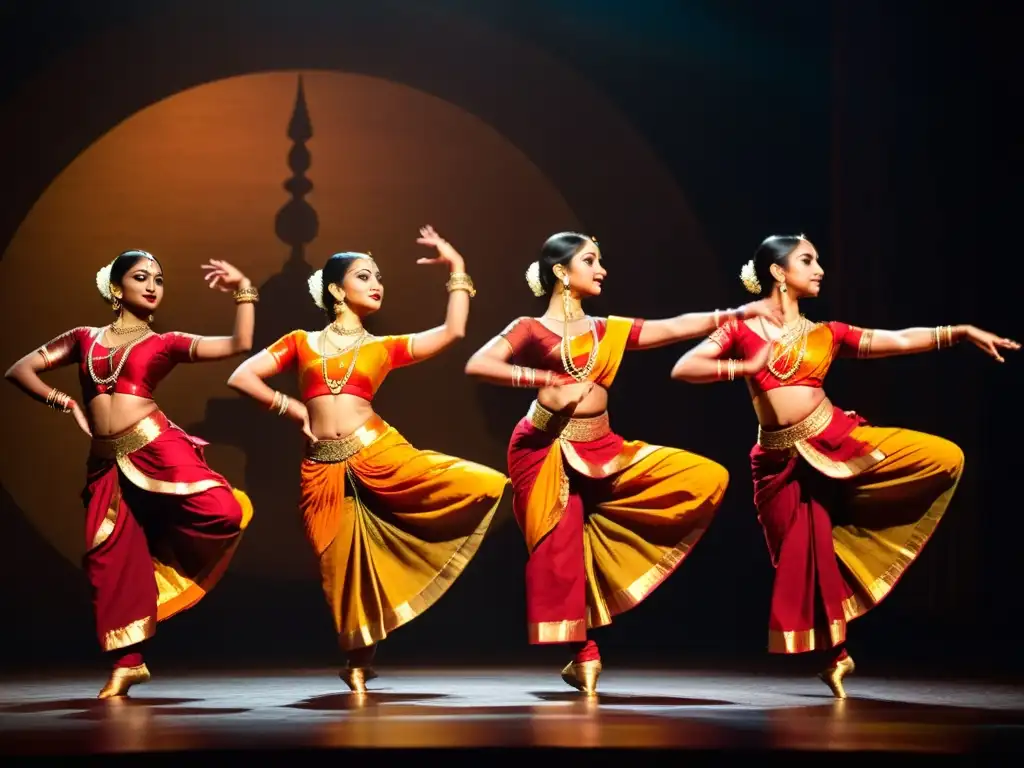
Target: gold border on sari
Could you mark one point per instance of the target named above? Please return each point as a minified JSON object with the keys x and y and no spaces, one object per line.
{"x":136,"y":632}
{"x":797,"y":436}
{"x":120,"y":447}
{"x":568,"y":631}
{"x":368,"y":634}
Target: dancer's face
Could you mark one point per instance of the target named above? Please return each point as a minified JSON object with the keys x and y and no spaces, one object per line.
{"x":142,"y":287}
{"x":363,"y":287}
{"x":803,"y":273}
{"x":586,"y":273}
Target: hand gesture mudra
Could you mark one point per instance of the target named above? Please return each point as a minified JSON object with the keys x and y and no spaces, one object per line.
{"x":446,"y":254}
{"x":223,"y":276}
{"x":989,"y":343}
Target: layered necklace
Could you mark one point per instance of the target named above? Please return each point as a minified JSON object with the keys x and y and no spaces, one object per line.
{"x":334,"y":385}
{"x":118,"y":330}
{"x":579,"y":374}
{"x":792,"y":346}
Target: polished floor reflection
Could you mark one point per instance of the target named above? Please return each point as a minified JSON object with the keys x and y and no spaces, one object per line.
{"x":509,"y":709}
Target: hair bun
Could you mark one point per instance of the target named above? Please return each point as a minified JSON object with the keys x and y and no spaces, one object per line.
{"x":103,"y":282}
{"x":533,"y":279}
{"x":748,"y":276}
{"x":316,"y":288}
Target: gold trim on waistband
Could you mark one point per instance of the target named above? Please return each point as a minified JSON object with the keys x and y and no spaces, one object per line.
{"x":137,"y":437}
{"x":787,"y":437}
{"x":343,"y":449}
{"x":573,"y":430}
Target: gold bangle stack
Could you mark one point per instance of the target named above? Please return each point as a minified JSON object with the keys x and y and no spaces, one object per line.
{"x":730,"y":369}
{"x":246,"y":295}
{"x":460,"y":281}
{"x":943,"y":336}
{"x":59,"y":401}
{"x":519,"y":375}
{"x":280,"y":404}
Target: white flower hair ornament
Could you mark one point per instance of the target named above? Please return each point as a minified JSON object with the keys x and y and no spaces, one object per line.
{"x":533,"y":279}
{"x":748,"y":276}
{"x":316,"y":288}
{"x":103,"y":282}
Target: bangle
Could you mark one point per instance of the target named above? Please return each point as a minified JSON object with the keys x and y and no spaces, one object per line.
{"x":732,"y":369}
{"x":59,"y":401}
{"x":279,"y":404}
{"x":460,"y":281}
{"x":718,"y":369}
{"x":246,"y":295}
{"x":547,"y":379}
{"x":943,"y":336}
{"x":717,"y":320}
{"x":517,"y":375}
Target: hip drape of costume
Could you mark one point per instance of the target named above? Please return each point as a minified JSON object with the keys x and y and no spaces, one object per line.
{"x":393,"y":526}
{"x":846,"y":508}
{"x":161,"y":527}
{"x":606,"y":520}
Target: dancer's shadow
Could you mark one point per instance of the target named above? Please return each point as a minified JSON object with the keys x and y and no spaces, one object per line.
{"x":354,"y":701}
{"x":60,"y":705}
{"x":625,"y":700}
{"x":108,"y":713}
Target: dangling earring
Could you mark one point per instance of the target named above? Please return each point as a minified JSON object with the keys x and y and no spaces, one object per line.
{"x":339,"y":309}
{"x":566,"y":309}
{"x":782,"y":287}
{"x":149,"y":319}
{"x":115,"y":302}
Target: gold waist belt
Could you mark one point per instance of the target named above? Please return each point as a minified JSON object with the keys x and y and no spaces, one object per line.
{"x":343,"y":449}
{"x":787,"y":437}
{"x":573,"y":430}
{"x":133,"y":439}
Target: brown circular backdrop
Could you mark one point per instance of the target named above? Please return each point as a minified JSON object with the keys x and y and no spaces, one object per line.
{"x":203,"y":175}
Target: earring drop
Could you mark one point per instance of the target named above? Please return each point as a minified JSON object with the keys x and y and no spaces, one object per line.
{"x":782,"y":288}
{"x":149,"y":319}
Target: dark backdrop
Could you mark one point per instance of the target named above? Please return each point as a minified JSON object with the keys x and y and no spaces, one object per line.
{"x":680,"y":134}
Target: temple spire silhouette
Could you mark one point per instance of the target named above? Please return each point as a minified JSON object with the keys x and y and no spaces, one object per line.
{"x":297,"y":224}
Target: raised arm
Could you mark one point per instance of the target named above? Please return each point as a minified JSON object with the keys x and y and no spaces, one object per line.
{"x":426,"y":344}
{"x":224,"y":277}
{"x":909,"y":341}
{"x":248,"y":379}
{"x":659,"y":333}
{"x":56,"y":353}
{"x":711,"y":361}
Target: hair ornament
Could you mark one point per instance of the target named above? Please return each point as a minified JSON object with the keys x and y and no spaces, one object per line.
{"x":748,"y":276}
{"x":533,"y":279}
{"x":103,"y":282}
{"x":316,"y":288}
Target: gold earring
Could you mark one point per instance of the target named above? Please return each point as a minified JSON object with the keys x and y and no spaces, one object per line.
{"x":782,"y":287}
{"x":115,"y":302}
{"x":565,"y":281}
{"x":339,"y":308}
{"x":149,"y":319}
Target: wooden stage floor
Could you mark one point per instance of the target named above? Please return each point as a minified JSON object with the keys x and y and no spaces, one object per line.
{"x":308,"y":715}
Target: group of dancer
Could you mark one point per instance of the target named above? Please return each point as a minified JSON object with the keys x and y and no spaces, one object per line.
{"x":845,"y":506}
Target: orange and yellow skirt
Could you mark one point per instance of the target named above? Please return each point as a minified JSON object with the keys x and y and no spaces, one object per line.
{"x":393,"y":526}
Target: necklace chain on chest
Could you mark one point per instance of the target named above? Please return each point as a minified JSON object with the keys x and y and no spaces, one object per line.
{"x":127,"y":347}
{"x":334,"y":385}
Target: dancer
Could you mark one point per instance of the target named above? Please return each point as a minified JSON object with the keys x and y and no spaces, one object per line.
{"x":606,"y":520}
{"x":393,"y":526}
{"x":161,"y":526}
{"x":846,"y":507}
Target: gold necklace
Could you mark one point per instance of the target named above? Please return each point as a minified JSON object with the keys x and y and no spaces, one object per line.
{"x":334,"y":385}
{"x":112,"y":378}
{"x":793,"y":339}
{"x":580,"y":374}
{"x":124,"y":330}
{"x":345,"y":331}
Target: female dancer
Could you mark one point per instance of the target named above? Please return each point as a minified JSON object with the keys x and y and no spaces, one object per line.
{"x":606,"y":520}
{"x":845,"y":507}
{"x":161,"y":526}
{"x":412,"y":519}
